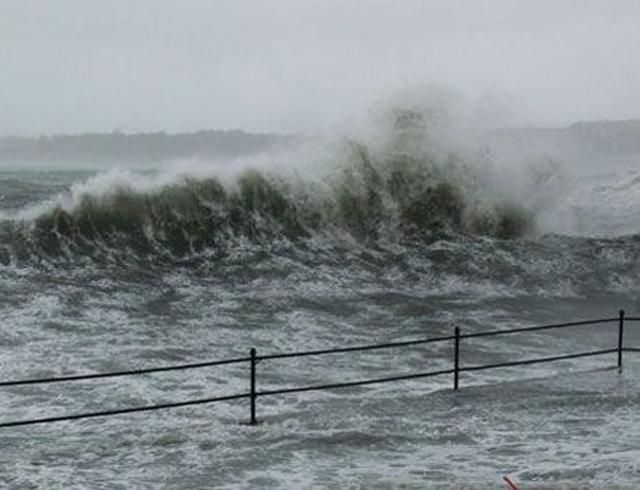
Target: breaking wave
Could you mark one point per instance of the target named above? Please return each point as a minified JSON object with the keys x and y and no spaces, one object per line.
{"x":397,"y":191}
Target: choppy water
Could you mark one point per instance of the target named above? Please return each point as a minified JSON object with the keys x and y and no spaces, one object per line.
{"x":119,"y":273}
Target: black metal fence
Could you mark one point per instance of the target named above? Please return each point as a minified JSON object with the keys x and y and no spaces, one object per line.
{"x":253,"y":359}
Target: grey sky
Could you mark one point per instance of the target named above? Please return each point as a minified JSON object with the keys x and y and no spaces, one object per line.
{"x":176,"y":65}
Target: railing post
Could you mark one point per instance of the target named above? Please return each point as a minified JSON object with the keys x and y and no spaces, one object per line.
{"x":456,"y":358}
{"x":620,"y":339}
{"x":253,"y":420}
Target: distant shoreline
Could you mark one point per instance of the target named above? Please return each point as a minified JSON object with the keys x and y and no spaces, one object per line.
{"x":595,"y":137}
{"x":139,"y":147}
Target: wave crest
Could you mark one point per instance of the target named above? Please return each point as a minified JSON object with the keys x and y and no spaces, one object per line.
{"x":399,"y":192}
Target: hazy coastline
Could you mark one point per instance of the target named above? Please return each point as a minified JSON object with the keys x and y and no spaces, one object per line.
{"x":582,"y":138}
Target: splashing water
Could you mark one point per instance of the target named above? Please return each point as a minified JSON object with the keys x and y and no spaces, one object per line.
{"x":408,"y":188}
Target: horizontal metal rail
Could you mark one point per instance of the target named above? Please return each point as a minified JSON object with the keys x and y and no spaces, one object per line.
{"x":346,"y":384}
{"x":339,"y":350}
{"x":122,"y":411}
{"x":538,"y":360}
{"x":490,"y":333}
{"x":221,"y":399}
{"x":81,"y":377}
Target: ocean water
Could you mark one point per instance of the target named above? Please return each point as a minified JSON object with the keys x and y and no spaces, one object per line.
{"x":122,"y":269}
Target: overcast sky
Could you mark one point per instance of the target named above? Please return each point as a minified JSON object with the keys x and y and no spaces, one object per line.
{"x":290,"y":65}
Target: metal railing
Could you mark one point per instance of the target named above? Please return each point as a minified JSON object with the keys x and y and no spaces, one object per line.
{"x":253,"y":359}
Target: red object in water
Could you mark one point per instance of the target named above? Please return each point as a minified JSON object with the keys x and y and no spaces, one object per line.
{"x":512,"y":486}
